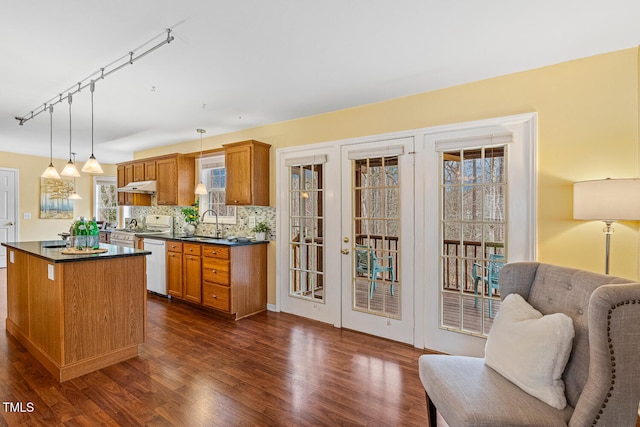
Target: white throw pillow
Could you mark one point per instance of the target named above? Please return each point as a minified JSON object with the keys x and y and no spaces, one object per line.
{"x":531,"y":350}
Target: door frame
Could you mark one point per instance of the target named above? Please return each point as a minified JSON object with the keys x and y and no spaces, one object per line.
{"x":16,"y":200}
{"x":426,"y":296}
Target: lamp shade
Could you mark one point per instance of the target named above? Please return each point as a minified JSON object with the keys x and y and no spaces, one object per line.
{"x":607,"y":199}
{"x":201,"y":189}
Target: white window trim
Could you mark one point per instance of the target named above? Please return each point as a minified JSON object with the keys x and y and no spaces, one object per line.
{"x":101,"y":180}
{"x":210,"y":162}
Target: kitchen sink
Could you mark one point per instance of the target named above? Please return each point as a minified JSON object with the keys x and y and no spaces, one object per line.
{"x":206,"y":239}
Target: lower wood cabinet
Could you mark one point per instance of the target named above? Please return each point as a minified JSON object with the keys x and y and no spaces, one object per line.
{"x":174,"y":269}
{"x":192,"y":272}
{"x":229,"y":279}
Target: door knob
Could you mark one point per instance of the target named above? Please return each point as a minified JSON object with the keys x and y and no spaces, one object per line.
{"x":345,"y":251}
{"x":9,"y":223}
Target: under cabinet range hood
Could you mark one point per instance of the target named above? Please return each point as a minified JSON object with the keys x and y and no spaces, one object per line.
{"x":143,"y":187}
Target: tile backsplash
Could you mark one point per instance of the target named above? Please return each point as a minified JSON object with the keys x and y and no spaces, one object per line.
{"x":241,"y":228}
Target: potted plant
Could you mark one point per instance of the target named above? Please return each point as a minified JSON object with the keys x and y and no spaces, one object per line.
{"x":191,"y":218}
{"x":261,"y":229}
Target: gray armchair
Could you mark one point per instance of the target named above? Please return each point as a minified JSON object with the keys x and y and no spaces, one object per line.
{"x":602,"y":376}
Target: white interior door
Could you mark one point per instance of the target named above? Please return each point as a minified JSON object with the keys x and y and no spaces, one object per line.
{"x":308,"y":224}
{"x":8,"y":226}
{"x":377,"y":190}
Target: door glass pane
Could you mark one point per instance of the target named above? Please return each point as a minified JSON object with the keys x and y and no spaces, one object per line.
{"x":306,"y":228}
{"x":473,"y":223}
{"x":376,"y":280}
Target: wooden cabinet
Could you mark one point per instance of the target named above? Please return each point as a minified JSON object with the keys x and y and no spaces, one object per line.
{"x":192,"y":272}
{"x":174,"y":269}
{"x":174,"y":175}
{"x":247,"y":168}
{"x":176,"y":180}
{"x":150,"y":170}
{"x":126,"y":174}
{"x":230,"y":279}
{"x":216,"y":291}
{"x":77,"y":316}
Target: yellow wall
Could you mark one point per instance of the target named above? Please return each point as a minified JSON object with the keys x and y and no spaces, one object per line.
{"x":30,"y":168}
{"x":588,"y":124}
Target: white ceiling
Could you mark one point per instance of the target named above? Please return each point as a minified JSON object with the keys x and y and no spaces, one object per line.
{"x":244,"y":63}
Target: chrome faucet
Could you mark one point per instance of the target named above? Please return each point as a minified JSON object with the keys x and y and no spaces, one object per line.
{"x":216,"y":214}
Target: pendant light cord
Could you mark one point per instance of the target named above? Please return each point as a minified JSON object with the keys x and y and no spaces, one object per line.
{"x":51,"y":134}
{"x":92,"y":86}
{"x":69,"y":97}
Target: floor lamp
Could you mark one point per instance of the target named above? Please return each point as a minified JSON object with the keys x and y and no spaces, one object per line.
{"x":607,"y":200}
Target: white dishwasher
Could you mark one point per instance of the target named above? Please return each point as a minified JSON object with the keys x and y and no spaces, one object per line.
{"x":156,"y":270}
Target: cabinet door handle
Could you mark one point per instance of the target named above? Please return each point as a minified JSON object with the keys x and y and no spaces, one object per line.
{"x":214,"y":271}
{"x":214,"y":296}
{"x":214,"y":252}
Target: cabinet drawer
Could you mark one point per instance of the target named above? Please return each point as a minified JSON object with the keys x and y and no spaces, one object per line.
{"x":173,"y":246}
{"x":190,"y":249}
{"x":216,"y":296}
{"x":221,"y":252}
{"x":215,"y":270}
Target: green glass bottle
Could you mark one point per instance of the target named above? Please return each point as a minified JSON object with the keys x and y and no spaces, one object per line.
{"x":94,"y":234}
{"x":80,"y":232}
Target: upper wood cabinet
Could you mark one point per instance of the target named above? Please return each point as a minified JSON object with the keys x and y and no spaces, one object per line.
{"x":174,"y":175}
{"x":247,"y":166}
{"x":150,"y":170}
{"x":126,"y":174}
{"x":176,"y":180}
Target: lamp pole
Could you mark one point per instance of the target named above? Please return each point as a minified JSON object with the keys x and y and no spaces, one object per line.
{"x":608,"y":230}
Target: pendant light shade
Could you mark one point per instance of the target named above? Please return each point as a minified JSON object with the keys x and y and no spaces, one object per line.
{"x":51,"y":171}
{"x":70,"y":169}
{"x":201,"y":189}
{"x":92,"y":165}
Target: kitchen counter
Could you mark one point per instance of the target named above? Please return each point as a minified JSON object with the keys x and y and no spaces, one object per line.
{"x":51,"y":250}
{"x":200,"y":239}
{"x":76,"y":313}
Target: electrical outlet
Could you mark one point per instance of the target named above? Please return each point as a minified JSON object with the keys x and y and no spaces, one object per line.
{"x":252,"y":221}
{"x":26,"y":215}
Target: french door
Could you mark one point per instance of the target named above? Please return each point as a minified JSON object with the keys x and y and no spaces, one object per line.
{"x":345,"y":244}
{"x":377,"y":281}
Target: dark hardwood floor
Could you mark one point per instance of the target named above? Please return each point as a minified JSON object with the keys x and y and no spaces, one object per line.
{"x":198,"y":369}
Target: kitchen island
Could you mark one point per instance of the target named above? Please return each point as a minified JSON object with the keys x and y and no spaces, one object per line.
{"x":76,"y":313}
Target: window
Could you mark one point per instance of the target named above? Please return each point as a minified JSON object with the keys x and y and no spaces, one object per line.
{"x":106,"y":199}
{"x":306,"y":230}
{"x":473,"y":226}
{"x":213,"y":175}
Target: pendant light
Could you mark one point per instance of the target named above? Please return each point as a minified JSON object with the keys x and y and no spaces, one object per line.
{"x":74,"y":195}
{"x":201,"y":189}
{"x":70,"y":168}
{"x":92,"y":165}
{"x":51,"y":171}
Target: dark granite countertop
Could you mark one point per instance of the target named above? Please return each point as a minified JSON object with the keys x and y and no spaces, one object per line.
{"x":200,"y":239}
{"x":51,"y":250}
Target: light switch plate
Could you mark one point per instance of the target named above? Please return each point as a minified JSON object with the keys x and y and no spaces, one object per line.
{"x":11,"y":258}
{"x":50,"y":274}
{"x":26,"y":215}
{"x":252,"y":221}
